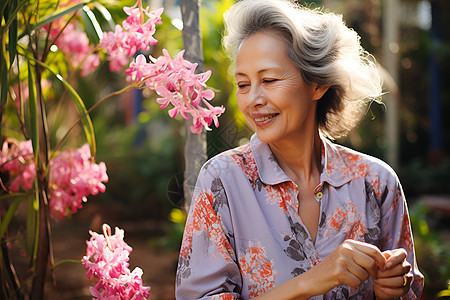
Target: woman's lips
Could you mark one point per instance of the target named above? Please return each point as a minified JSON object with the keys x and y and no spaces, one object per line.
{"x":262,"y":120}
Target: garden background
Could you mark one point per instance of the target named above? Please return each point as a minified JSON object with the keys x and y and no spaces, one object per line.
{"x":142,"y":146}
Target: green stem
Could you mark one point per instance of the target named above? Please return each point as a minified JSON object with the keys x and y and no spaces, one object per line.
{"x":87,"y":113}
{"x":74,"y":261}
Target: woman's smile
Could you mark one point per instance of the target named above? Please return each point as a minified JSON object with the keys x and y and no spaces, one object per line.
{"x":264,"y":120}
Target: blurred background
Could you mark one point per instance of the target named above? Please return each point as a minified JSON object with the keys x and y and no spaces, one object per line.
{"x":143,"y":147}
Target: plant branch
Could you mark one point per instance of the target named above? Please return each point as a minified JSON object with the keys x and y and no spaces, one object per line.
{"x":47,"y":50}
{"x":10,"y":269}
{"x":66,"y":261}
{"x":88,"y":112}
{"x":47,"y":38}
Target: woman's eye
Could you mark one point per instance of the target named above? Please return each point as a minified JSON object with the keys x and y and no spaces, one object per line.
{"x":269,"y":80}
{"x":242,"y":85}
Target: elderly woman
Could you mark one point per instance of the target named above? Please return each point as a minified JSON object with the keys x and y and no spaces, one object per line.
{"x":292,"y":215}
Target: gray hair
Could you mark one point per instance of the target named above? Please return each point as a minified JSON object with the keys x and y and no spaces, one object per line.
{"x":325,"y":50}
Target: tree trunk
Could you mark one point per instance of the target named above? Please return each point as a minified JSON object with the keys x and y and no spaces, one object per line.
{"x":390,"y":59}
{"x":195,"y":144}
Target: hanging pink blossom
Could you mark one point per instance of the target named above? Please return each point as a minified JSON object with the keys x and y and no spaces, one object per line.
{"x":16,"y":159}
{"x":133,"y":35}
{"x":74,"y":43}
{"x":107,"y":259}
{"x":73,"y":177}
{"x":175,"y":81}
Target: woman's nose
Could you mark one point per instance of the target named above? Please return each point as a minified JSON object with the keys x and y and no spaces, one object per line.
{"x":256,"y":96}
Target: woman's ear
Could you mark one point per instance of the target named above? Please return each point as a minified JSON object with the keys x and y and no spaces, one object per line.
{"x":319,"y":91}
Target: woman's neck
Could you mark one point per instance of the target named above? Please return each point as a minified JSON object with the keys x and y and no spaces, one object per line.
{"x":300,"y":157}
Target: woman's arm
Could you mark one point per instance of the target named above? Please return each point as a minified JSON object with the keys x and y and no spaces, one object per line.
{"x":207,"y":267}
{"x":397,"y":236}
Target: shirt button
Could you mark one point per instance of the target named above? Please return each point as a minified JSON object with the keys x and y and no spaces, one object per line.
{"x":319,"y":195}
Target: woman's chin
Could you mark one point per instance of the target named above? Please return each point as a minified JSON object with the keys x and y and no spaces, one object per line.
{"x":267,"y":137}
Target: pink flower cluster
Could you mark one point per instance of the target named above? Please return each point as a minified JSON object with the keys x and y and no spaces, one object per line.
{"x":131,"y":36}
{"x":172,"y":79}
{"x":16,"y":159}
{"x":72,"y":176}
{"x":74,"y":44}
{"x":177,"y":84}
{"x":107,"y":259}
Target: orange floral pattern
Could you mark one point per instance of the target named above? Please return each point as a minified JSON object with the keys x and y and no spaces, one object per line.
{"x":243,"y":157}
{"x":346,"y":220}
{"x":223,"y":297}
{"x":406,"y":240}
{"x":204,"y":219}
{"x":281,"y":195}
{"x":258,"y":269}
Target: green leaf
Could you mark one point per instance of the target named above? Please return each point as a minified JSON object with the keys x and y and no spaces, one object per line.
{"x":86,"y":119}
{"x":12,"y":34}
{"x":32,"y":227}
{"x":3,"y":7}
{"x":56,"y":16}
{"x":93,"y":29}
{"x":4,"y":88}
{"x":11,"y":211}
{"x":32,"y":106}
{"x":106,"y":15}
{"x":84,"y":115}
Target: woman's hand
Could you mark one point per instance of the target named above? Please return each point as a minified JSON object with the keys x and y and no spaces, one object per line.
{"x":395,"y":280}
{"x":351,"y":263}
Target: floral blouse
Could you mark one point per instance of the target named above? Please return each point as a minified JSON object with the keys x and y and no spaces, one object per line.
{"x":244,"y":235}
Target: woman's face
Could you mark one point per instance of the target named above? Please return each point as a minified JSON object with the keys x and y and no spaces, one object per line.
{"x":271,"y":92}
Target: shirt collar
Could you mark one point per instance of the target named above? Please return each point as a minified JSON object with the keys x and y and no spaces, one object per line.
{"x":336,"y":172}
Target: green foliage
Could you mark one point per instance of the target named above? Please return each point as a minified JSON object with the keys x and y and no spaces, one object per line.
{"x":433,"y":253}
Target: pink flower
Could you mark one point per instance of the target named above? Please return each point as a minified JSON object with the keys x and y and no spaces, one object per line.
{"x":92,"y":62}
{"x":175,"y":81}
{"x":107,"y":259}
{"x":16,"y":158}
{"x":117,"y":60}
{"x":74,"y":43}
{"x":138,"y":69}
{"x":73,"y":177}
{"x":133,"y":35}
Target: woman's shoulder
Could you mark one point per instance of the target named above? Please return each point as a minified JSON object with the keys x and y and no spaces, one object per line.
{"x":240,"y":156}
{"x":365,"y":164}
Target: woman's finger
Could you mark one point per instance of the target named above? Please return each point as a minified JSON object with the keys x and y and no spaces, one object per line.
{"x":358,"y":272}
{"x":395,"y":282}
{"x":364,"y":266}
{"x":397,"y":270}
{"x":393,"y":287}
{"x":396,"y":257}
{"x":369,"y":250}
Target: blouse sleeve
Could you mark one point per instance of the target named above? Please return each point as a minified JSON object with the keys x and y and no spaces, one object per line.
{"x":396,"y":229}
{"x":207,"y":267}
